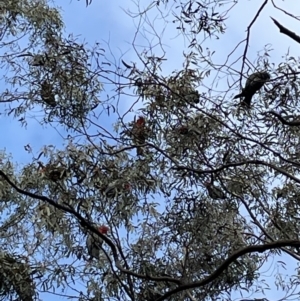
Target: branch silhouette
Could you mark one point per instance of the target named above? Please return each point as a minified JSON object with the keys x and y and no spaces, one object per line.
{"x":228,"y":261}
{"x":286,"y":31}
{"x":234,"y":164}
{"x":85,"y":223}
{"x":284,"y":121}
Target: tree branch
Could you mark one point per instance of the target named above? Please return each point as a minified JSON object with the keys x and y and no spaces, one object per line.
{"x":86,"y":224}
{"x":228,"y":261}
{"x":286,"y":31}
{"x":225,"y":166}
{"x":284,"y":121}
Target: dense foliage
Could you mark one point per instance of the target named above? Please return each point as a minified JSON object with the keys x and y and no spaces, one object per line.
{"x":195,"y":191}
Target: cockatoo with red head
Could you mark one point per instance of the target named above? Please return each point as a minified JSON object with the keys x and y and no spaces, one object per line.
{"x":94,"y":242}
{"x":139,"y":133}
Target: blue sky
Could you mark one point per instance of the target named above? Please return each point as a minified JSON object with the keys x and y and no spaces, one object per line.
{"x":106,"y":21}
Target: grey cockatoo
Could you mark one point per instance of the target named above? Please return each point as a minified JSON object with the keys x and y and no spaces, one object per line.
{"x":94,"y":242}
{"x":254,"y":83}
{"x":214,"y":192}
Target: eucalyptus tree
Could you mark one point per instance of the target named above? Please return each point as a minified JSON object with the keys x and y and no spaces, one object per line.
{"x":185,"y":196}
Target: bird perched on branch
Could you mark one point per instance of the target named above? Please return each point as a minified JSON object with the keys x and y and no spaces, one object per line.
{"x":47,"y":94}
{"x":94,"y":242}
{"x":139,"y":133}
{"x":52,"y":172}
{"x":214,"y":192}
{"x":192,"y":96}
{"x":116,"y":188}
{"x":254,"y":83}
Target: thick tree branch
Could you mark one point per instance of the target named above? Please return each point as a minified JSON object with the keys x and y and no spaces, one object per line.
{"x":228,"y":261}
{"x":86,"y":224}
{"x":286,"y":31}
{"x":283,"y":121}
{"x":254,"y":162}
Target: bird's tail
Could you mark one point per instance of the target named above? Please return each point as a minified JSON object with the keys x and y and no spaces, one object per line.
{"x":247,"y":100}
{"x":238,"y":96}
{"x":139,"y":151}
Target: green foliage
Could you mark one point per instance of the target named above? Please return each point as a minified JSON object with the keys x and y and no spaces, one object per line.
{"x":15,"y":278}
{"x":144,"y":173}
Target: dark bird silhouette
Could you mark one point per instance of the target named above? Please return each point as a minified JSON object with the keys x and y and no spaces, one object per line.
{"x":254,"y":83}
{"x":47,"y":94}
{"x":214,"y":192}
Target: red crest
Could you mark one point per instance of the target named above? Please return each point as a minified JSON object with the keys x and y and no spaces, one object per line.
{"x":103,"y":229}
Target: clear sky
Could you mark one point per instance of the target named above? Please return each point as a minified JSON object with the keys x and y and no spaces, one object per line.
{"x":106,"y":21}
